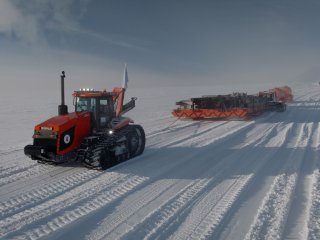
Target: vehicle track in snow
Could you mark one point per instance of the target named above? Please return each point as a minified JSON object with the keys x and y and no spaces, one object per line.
{"x":272,"y":214}
{"x":208,"y":213}
{"x":36,"y":177}
{"x":215,"y":171}
{"x":236,"y":221}
{"x":49,"y":190}
{"x":101,"y":188}
{"x":218,"y":168}
{"x":314,"y":220}
{"x":159,"y":223}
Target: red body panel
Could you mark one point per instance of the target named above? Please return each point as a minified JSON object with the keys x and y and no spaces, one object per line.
{"x":119,"y":97}
{"x":81,"y":121}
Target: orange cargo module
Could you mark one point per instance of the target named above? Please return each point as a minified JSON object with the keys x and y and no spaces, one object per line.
{"x":234,"y":106}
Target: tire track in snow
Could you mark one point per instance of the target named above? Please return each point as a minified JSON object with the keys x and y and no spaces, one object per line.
{"x":140,"y":202}
{"x":176,"y":126}
{"x":219,"y":168}
{"x":221,"y":134}
{"x":42,"y":174}
{"x":86,"y":208}
{"x":208,"y":213}
{"x":223,"y":162}
{"x":313,"y":223}
{"x":254,"y":138}
{"x":168,"y":203}
{"x":241,"y":209}
{"x":10,"y":151}
{"x":178,"y":203}
{"x":181,"y":135}
{"x":229,"y":131}
{"x":154,"y":224}
{"x":103,"y":188}
{"x":296,"y":226}
{"x":280,"y":136}
{"x":271,"y":216}
{"x":150,"y":126}
{"x":304,"y":140}
{"x":46,"y":192}
{"x":17,"y":173}
{"x":10,"y":170}
{"x":190,"y":139}
{"x":314,"y":220}
{"x":13,"y":159}
{"x":197,"y":130}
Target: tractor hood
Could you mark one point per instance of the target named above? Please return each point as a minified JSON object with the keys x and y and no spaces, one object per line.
{"x":62,"y":123}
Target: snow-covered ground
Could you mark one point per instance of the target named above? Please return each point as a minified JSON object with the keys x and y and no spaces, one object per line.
{"x":256,"y":179}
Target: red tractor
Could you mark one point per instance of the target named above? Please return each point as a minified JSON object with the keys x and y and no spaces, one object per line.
{"x":96,"y":134}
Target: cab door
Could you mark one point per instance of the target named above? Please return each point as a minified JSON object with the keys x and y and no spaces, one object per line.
{"x":105,"y":112}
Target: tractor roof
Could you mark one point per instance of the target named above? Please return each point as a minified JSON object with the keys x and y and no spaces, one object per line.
{"x":92,"y":93}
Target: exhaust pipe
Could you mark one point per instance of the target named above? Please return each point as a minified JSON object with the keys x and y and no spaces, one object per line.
{"x":62,"y":109}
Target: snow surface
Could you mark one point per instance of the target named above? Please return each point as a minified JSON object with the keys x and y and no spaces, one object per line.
{"x":256,"y":179}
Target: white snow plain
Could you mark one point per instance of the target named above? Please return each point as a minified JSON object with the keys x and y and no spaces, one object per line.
{"x":257,"y":179}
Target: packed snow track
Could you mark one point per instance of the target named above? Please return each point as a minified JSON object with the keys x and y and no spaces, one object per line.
{"x":257,"y":179}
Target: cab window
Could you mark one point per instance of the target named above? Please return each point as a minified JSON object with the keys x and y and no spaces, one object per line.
{"x":85,"y":104}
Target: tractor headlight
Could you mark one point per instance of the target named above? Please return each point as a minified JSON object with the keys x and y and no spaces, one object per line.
{"x":36,"y":134}
{"x":53,"y":134}
{"x":110,"y":132}
{"x":43,"y":133}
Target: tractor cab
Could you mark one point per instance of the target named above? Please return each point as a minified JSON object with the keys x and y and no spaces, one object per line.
{"x":99,"y":103}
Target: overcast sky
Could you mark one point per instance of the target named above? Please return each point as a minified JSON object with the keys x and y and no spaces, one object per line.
{"x":164,"y":42}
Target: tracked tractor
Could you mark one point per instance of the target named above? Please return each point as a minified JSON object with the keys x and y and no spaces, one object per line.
{"x":95,"y":134}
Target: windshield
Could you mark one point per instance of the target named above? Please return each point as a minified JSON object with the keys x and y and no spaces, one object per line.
{"x":85,"y":104}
